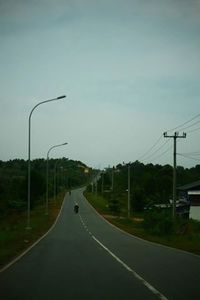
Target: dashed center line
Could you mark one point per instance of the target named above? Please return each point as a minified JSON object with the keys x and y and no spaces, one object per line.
{"x":85,"y":225}
{"x":135,"y":274}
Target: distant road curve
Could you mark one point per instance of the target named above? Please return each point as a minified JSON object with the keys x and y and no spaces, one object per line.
{"x":84,"y":257}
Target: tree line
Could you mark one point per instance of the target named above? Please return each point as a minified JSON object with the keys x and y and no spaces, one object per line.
{"x":149,"y":184}
{"x":64,"y":174}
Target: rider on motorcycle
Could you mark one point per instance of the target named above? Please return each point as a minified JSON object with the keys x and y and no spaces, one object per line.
{"x":76,"y":208}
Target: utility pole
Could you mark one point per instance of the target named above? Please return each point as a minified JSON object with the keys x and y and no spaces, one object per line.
{"x":129,"y":191}
{"x":175,"y":137}
{"x":112,"y":179}
{"x":102,"y":182}
{"x":96,"y":186}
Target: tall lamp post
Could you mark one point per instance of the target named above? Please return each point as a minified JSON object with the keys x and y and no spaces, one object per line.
{"x":47,"y":176}
{"x":55,"y":175}
{"x":29,"y":157}
{"x":55,"y":180}
{"x":129,"y":189}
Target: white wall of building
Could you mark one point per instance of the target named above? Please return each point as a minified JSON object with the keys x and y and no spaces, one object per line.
{"x":195,"y":212}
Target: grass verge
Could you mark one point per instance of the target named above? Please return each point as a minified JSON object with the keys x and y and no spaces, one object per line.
{"x":15,"y":238}
{"x":186,"y":234}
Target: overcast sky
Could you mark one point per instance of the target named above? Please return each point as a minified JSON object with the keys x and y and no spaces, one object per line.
{"x":130,"y":70}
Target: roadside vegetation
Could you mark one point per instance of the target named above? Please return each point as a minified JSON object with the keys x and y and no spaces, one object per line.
{"x":64,"y":175}
{"x":15,"y":238}
{"x":155,"y":226}
{"x":150,"y":184}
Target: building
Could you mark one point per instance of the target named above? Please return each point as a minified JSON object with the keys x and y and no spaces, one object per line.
{"x":191,"y":192}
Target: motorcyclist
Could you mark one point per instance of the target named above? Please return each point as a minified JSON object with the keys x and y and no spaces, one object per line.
{"x":76,"y":208}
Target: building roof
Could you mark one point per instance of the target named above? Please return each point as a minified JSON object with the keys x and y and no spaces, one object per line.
{"x":189,"y":186}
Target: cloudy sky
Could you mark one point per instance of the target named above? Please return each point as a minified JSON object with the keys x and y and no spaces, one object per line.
{"x":130,"y":70}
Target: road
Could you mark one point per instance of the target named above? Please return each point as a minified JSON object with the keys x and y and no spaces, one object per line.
{"x":84,"y":257}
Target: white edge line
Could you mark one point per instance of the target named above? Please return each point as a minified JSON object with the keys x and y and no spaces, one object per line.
{"x":34,"y":244}
{"x":141,"y":239}
{"x":137,"y":276}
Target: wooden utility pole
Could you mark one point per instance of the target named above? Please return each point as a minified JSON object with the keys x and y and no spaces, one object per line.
{"x":112,"y":179}
{"x":102,"y":182}
{"x":175,"y":137}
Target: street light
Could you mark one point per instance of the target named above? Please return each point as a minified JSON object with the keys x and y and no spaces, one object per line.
{"x":129,"y":189}
{"x":55,"y":169}
{"x":47,"y":176}
{"x":29,"y":157}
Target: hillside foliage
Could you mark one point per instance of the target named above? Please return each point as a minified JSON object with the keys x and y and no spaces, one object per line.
{"x":63,"y":174}
{"x":149,"y":184}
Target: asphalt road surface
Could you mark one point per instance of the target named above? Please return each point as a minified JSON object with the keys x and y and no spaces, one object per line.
{"x":84,"y":257}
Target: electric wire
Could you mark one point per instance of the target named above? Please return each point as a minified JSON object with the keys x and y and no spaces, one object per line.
{"x":187,"y":156}
{"x":193,"y":130}
{"x":148,"y":153}
{"x":163,"y":153}
{"x":157,"y":141}
{"x":191,"y":125}
{"x":149,"y":156}
{"x":192,"y":153}
{"x":181,"y":125}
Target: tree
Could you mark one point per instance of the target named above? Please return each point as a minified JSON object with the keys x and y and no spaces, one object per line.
{"x":38,"y":186}
{"x":138,"y":199}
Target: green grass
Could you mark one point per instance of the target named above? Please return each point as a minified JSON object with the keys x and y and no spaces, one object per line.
{"x":98,"y":202}
{"x":186,"y":235}
{"x":15,"y":238}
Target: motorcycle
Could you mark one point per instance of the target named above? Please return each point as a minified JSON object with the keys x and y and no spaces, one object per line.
{"x":76,"y":208}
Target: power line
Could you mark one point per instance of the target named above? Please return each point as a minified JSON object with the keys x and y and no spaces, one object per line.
{"x":187,"y":156}
{"x":191,"y":125}
{"x":162,"y":153}
{"x":191,"y":153}
{"x":175,"y":136}
{"x":148,"y":153}
{"x":151,"y":148}
{"x":180,"y":126}
{"x":193,"y":130}
{"x":149,"y":156}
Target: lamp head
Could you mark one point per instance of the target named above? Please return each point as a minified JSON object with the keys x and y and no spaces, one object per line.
{"x":61,"y":97}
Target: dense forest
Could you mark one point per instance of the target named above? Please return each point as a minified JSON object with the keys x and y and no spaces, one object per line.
{"x":149,"y":184}
{"x":64,"y":174}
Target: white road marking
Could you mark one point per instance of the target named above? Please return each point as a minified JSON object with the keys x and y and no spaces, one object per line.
{"x":33,"y":245}
{"x":137,"y":276}
{"x":86,"y":228}
{"x":136,"y":237}
{"x":148,"y":285}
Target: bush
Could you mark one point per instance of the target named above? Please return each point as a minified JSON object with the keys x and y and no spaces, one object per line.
{"x":138,"y":200}
{"x":17,"y":204}
{"x":158,"y":222}
{"x":113,"y":204}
